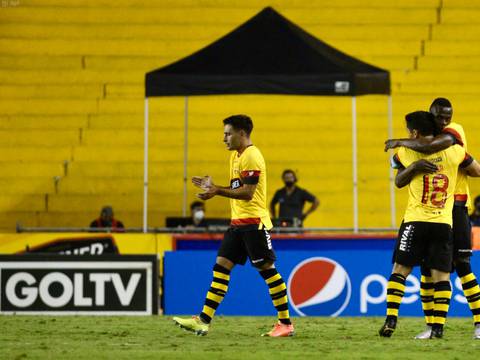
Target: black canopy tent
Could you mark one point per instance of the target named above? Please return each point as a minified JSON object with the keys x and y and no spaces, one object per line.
{"x":268,"y":54}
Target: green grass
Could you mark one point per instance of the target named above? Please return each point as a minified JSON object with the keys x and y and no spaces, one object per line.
{"x":35,"y":337}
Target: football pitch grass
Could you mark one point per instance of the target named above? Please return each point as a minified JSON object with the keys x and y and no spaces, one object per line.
{"x":156,"y":337}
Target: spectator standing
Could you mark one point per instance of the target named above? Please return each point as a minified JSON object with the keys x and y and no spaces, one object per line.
{"x":292,"y":199}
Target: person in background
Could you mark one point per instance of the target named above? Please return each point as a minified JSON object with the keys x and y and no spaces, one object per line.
{"x":292,"y":200}
{"x":197,"y":210}
{"x":107,"y":220}
{"x":475,"y":216}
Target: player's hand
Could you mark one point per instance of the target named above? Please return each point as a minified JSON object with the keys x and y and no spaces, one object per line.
{"x":425,"y":166}
{"x":209,"y":192}
{"x":203,"y":182}
{"x":391,"y":144}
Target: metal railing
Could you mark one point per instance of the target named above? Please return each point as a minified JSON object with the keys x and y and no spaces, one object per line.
{"x":198,"y":230}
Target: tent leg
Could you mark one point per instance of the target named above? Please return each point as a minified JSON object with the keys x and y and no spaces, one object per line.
{"x":145,"y":168}
{"x":393,"y":215}
{"x":354,"y":164}
{"x":185,"y":159}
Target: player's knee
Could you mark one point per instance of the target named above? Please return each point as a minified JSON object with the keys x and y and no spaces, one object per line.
{"x":438,"y":275}
{"x":425,"y":271}
{"x":264,"y":265}
{"x":227,"y":264}
{"x":402,"y":269}
{"x":462,"y":266}
{"x":461,"y":260}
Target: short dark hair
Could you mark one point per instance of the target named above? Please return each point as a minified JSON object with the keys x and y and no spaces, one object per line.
{"x":422,"y":121}
{"x":240,"y":122}
{"x":289,"y":171}
{"x":195,"y":204}
{"x":442,"y":102}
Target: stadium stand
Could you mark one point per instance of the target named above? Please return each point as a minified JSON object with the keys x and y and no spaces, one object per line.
{"x":71,"y":104}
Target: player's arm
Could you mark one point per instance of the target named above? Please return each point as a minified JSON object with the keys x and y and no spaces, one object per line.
{"x":426,"y":146}
{"x":470,"y":166}
{"x":244,"y":192}
{"x":406,"y":174}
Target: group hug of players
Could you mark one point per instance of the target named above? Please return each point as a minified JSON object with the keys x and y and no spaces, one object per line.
{"x":435,"y":233}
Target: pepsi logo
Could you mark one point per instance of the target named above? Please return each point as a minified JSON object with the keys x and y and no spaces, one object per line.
{"x":319,"y":286}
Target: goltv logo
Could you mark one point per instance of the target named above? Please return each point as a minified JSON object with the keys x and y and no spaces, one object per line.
{"x":319,"y":286}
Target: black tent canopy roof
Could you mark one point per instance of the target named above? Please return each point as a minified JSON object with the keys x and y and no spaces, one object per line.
{"x":268,"y":54}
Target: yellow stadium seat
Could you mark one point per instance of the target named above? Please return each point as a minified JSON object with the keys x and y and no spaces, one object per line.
{"x":42,"y":122}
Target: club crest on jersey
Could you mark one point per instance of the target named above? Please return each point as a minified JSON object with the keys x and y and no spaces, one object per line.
{"x":319,"y":286}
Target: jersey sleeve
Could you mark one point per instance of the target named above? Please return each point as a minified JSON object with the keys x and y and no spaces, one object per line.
{"x":461,"y":156}
{"x":404,"y":157}
{"x":251,"y":169}
{"x":454,"y":134}
{"x":395,"y":162}
{"x":468,"y":159}
{"x":308,"y":196}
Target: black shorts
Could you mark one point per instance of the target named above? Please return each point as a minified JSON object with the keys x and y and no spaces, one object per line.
{"x":462,"y":232}
{"x":238,"y":244}
{"x":424,"y":243}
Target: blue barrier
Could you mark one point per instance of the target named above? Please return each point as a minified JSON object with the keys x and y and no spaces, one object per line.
{"x":346,"y":282}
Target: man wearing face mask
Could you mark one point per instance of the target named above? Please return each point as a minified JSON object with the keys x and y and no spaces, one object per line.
{"x":292,"y":200}
{"x":197,"y":209}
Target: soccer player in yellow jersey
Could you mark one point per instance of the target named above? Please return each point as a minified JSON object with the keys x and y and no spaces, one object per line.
{"x":450,"y":133}
{"x":425,"y":236}
{"x":248,"y":234}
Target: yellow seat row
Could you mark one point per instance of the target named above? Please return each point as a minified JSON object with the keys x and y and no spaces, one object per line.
{"x":200,"y":32}
{"x":23,"y":202}
{"x":32,"y":169}
{"x":48,"y":152}
{"x":72,"y":77}
{"x":51,"y":91}
{"x":448,"y":62}
{"x":451,"y":47}
{"x":178,"y":49}
{"x":24,"y":185}
{"x":31,"y":138}
{"x":216,"y":15}
{"x":43,"y":122}
{"x":239,"y":4}
{"x":40,"y":62}
{"x":466,"y":16}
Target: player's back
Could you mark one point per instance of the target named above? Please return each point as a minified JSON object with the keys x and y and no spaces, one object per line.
{"x":431,"y":195}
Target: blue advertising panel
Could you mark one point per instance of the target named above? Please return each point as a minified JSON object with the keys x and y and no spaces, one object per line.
{"x":320,"y":283}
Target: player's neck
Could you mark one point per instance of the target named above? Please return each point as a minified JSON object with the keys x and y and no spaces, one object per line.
{"x":245,"y":145}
